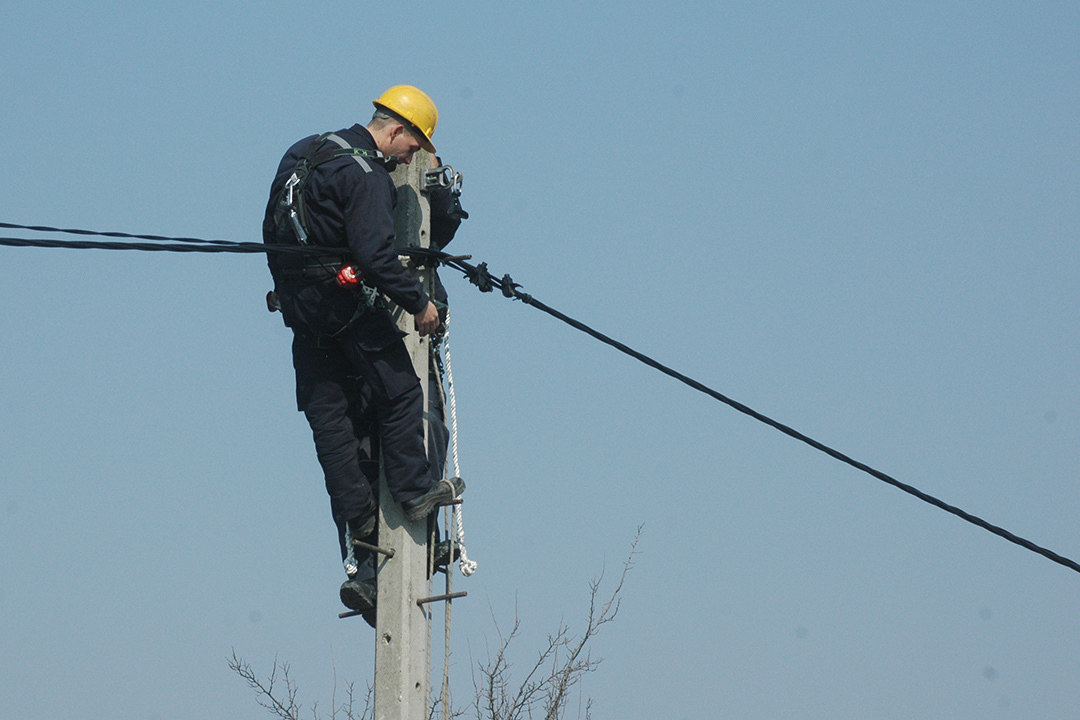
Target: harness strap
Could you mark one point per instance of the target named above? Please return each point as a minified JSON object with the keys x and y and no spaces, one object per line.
{"x":290,"y":216}
{"x":293,"y":198}
{"x":358,"y":154}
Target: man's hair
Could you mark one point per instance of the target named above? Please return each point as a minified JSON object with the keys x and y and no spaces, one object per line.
{"x":380,"y":118}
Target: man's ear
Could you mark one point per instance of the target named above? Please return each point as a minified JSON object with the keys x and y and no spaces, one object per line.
{"x":395,"y":130}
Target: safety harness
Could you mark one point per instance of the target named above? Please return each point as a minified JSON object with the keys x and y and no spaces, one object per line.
{"x":291,"y":228}
{"x":290,"y":209}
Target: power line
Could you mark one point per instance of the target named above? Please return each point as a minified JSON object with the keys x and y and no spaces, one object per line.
{"x":146,"y":247}
{"x":161,"y":243}
{"x":99,"y":233}
{"x":791,"y":432}
{"x":481,"y":277}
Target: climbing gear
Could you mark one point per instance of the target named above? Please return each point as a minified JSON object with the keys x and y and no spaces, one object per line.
{"x":456,"y":523}
{"x":444,"y":177}
{"x":443,"y":492}
{"x":350,"y":563}
{"x":349,"y":276}
{"x":290,"y":216}
{"x":415,"y":107}
{"x":361,"y":526}
{"x":291,"y":226}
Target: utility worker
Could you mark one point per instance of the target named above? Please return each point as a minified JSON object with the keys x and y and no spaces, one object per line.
{"x":352,"y":368}
{"x":446,"y":215}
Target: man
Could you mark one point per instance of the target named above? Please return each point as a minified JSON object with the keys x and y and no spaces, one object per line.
{"x":352,"y":368}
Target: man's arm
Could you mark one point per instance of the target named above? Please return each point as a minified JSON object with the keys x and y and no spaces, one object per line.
{"x":369,"y":233}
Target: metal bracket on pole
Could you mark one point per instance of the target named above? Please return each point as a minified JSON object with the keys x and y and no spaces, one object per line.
{"x":437,"y":598}
{"x":350,"y":613}
{"x":388,"y":552}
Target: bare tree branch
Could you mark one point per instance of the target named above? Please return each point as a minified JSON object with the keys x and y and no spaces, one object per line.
{"x":287,"y":708}
{"x":557,"y":670}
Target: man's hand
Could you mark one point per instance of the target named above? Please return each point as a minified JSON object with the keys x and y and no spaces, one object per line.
{"x":427,"y":320}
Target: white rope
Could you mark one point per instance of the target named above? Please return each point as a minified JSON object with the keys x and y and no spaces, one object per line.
{"x":468,"y":567}
{"x":351,"y":566}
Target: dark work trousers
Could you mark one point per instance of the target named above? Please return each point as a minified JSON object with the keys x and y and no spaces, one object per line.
{"x":359,"y":403}
{"x":365,"y":429}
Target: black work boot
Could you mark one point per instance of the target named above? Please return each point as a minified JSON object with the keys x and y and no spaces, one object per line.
{"x":442,"y":554}
{"x":358,"y":594}
{"x":441,"y":493}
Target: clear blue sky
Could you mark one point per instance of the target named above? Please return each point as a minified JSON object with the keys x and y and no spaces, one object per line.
{"x":859,"y":218}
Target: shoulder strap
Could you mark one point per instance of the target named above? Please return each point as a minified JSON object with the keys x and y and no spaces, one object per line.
{"x":358,"y":154}
{"x":291,"y":203}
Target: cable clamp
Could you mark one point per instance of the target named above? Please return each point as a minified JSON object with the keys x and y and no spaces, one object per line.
{"x":509,"y":287}
{"x":480,"y":277}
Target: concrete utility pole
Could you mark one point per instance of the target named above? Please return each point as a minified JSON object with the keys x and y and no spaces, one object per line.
{"x":402,"y":644}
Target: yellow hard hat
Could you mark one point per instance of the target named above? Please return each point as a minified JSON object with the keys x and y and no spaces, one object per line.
{"x":414,"y":106}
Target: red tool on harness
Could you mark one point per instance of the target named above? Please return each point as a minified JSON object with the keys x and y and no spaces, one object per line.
{"x":349,"y":275}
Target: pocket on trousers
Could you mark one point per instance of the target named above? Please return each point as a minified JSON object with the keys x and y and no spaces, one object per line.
{"x":392,"y":369}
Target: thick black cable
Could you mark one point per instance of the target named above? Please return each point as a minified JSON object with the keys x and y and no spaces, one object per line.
{"x":163,"y":243}
{"x":147,"y":247}
{"x":510,"y":289}
{"x":99,"y":233}
{"x":479,"y":276}
{"x":1050,"y":554}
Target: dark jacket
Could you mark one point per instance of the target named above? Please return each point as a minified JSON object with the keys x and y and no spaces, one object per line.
{"x":350,"y":204}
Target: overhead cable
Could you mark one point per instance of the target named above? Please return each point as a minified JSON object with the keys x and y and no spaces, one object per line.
{"x":480,"y":276}
{"x":161,"y":244}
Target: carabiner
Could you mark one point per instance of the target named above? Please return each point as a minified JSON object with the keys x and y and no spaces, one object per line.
{"x":440,"y":177}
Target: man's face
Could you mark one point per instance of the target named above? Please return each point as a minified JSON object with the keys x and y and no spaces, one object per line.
{"x":403,"y":144}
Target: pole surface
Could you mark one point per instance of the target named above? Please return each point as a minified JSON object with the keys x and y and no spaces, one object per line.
{"x":402,"y":643}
